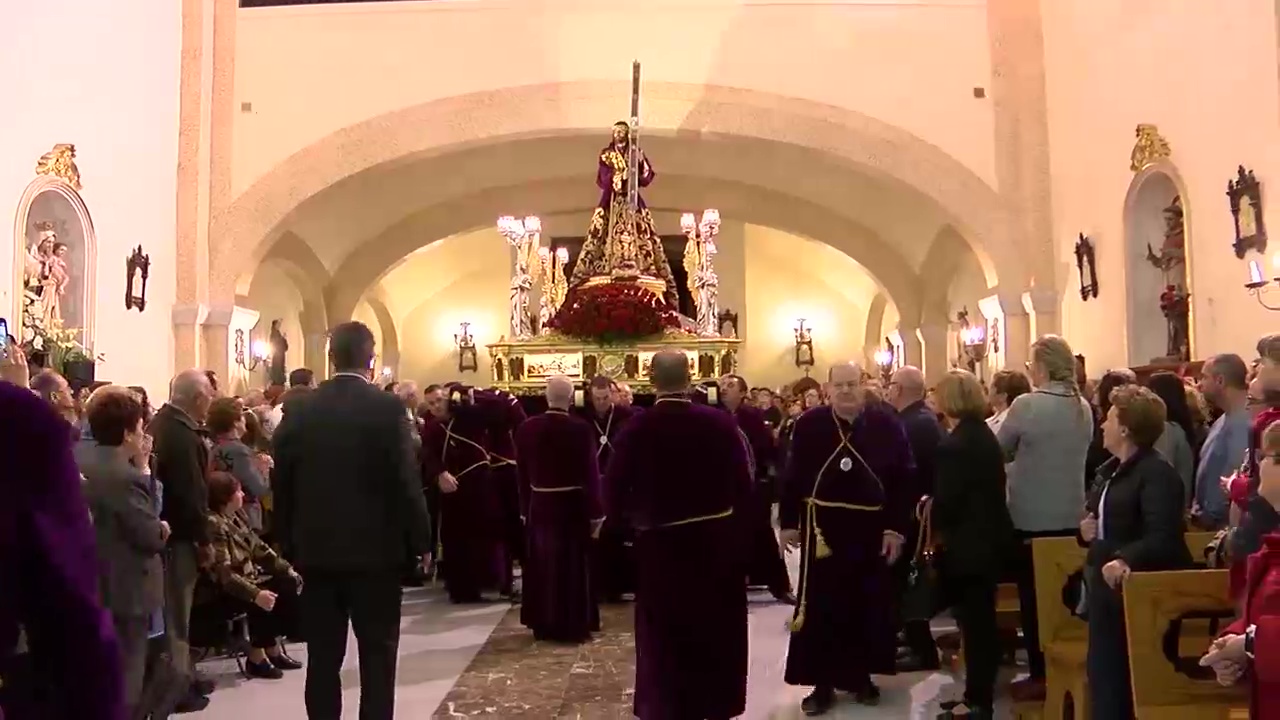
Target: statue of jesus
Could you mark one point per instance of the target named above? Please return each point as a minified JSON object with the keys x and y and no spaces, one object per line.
{"x":609,"y":230}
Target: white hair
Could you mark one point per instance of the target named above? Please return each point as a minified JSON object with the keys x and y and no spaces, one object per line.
{"x":559,"y":390}
{"x":186,"y":386}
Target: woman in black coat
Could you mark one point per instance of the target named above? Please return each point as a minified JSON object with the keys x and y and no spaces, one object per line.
{"x":1133,"y":522}
{"x":970,"y":519}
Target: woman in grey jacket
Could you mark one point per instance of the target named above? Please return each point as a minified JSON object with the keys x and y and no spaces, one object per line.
{"x":230,"y":455}
{"x":1046,"y":435}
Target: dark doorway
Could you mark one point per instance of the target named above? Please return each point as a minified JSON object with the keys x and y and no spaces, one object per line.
{"x":672,"y":247}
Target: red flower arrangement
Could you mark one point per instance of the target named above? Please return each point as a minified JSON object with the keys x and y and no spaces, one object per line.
{"x":613,"y":312}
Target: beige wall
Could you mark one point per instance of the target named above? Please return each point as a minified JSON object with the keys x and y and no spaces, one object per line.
{"x":103,"y":76}
{"x":1206,"y":76}
{"x":309,"y":72}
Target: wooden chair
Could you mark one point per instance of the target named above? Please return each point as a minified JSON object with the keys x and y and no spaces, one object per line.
{"x":1152,"y":601}
{"x":1063,"y":636}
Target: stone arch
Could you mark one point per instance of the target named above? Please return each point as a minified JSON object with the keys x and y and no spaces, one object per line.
{"x":390,"y":350}
{"x":298,"y":262}
{"x":252,"y":221}
{"x":875,"y":326}
{"x":1150,"y":192}
{"x":88,"y":305}
{"x":364,"y":267}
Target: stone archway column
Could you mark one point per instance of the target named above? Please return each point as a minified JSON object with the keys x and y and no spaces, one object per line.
{"x":219,"y":328}
{"x":188,"y":340}
{"x":1017,"y":330}
{"x":1043,"y":304}
{"x":936,"y":350}
{"x":315,"y":354}
{"x":912,"y":351}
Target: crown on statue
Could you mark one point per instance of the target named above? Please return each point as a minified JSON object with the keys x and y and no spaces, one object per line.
{"x":46,"y":226}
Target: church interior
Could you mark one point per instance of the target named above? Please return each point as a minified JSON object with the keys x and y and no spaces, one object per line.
{"x":931,"y":184}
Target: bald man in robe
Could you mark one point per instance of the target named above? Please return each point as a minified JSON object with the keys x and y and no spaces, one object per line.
{"x":846,"y":504}
{"x":614,"y":569}
{"x":685,"y":474}
{"x":562,"y":510}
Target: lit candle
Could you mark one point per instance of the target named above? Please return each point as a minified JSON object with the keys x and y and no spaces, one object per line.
{"x":532,"y":225}
{"x":562,"y":256}
{"x":687,"y":223}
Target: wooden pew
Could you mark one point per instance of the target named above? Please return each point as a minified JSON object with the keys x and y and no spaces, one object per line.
{"x":1151,"y":602}
{"x":1063,"y":636}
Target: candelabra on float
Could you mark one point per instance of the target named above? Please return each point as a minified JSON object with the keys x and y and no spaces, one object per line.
{"x":884,"y":358}
{"x":974,"y":340}
{"x":554,"y":285}
{"x":525,"y":236}
{"x":699,"y":264}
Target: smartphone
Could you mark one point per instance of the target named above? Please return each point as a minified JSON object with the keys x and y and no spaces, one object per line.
{"x":4,"y":338}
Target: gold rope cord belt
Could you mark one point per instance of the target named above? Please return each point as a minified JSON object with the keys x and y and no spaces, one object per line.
{"x":569,"y":488}
{"x":700,"y":518}
{"x":496,"y":460}
{"x":820,"y":547}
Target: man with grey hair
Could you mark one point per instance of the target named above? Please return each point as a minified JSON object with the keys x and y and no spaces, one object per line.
{"x":906,"y":392}
{"x":181,"y":459}
{"x":685,"y":469}
{"x":563,"y":509}
{"x":54,"y":389}
{"x":847,"y":504}
{"x":1224,"y":383}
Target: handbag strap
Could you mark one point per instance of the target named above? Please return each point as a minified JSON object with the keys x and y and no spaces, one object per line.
{"x":924,"y":518}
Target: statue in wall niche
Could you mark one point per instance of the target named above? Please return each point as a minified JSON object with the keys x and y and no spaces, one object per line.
{"x":1175,"y":299}
{"x":279,"y":351}
{"x":46,"y":276}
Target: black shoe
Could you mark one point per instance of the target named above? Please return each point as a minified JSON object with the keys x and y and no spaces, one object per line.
{"x":818,"y":702}
{"x":262,"y":670}
{"x":869,"y":695}
{"x":193,"y":702}
{"x":283,"y":662}
{"x":203,"y":685}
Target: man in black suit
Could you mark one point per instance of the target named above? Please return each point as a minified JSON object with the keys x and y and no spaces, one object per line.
{"x":906,"y":392}
{"x":348,"y":493}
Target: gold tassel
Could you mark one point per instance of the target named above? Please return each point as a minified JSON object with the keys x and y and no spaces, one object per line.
{"x":820,"y":547}
{"x":797,"y":622}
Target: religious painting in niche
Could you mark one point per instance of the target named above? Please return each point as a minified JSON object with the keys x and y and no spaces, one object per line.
{"x":1245,"y":194}
{"x":55,"y":262}
{"x":1175,"y":298}
{"x":137,"y":269}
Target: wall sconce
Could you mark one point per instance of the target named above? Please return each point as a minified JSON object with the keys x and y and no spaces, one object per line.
{"x":1258,"y":283}
{"x":467,"y":359}
{"x":884,"y":358}
{"x":804,"y":346}
{"x":974,"y":340}
{"x":259,"y":352}
{"x":137,"y":269}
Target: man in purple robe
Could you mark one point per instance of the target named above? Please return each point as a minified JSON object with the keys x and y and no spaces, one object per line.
{"x":846,"y":503}
{"x":59,"y":658}
{"x":455,"y":457}
{"x":562,"y":510}
{"x":766,"y":566}
{"x":504,"y":415}
{"x":685,"y":474}
{"x":614,"y":566}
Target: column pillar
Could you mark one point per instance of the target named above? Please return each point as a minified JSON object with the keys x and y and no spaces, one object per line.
{"x":315,"y":354}
{"x":936,"y":356}
{"x":219,"y":331}
{"x":1042,"y":304}
{"x":187,"y":338}
{"x":912,"y":350}
{"x":1017,"y":330}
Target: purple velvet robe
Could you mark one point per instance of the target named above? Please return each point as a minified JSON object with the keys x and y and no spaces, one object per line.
{"x":684,"y":474}
{"x":766,"y":566}
{"x":846,"y":483}
{"x":559,"y":499}
{"x":49,"y":576}
{"x":614,"y":564}
{"x":468,"y":526}
{"x":504,"y":416}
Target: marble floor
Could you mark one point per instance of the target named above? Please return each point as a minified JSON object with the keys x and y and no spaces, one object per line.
{"x":478,"y":662}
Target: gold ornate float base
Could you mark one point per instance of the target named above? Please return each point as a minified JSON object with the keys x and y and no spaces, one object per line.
{"x":522,"y":367}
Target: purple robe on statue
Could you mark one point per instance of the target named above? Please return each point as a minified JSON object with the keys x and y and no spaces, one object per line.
{"x":614,"y":565}
{"x":685,"y":477}
{"x":49,"y":575}
{"x":505,"y":416}
{"x":846,"y":483}
{"x":468,"y":527}
{"x":766,"y":566}
{"x":559,"y":499}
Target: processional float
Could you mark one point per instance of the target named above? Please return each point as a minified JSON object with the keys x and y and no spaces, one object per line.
{"x":621,"y":248}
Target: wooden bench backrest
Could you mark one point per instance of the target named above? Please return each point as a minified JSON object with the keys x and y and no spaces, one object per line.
{"x":1196,"y":543}
{"x":1055,"y":560}
{"x":1151,"y":602}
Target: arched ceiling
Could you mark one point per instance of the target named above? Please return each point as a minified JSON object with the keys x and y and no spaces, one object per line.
{"x":345,"y":217}
{"x":737,"y":201}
